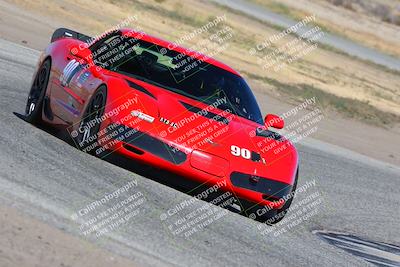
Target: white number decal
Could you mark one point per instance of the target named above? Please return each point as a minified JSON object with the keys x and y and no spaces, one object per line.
{"x":246,"y":153}
{"x":237,"y":151}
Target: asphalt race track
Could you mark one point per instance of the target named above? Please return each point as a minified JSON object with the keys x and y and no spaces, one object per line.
{"x":49,"y":179}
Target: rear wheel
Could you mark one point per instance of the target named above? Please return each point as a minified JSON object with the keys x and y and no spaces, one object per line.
{"x":34,"y":104}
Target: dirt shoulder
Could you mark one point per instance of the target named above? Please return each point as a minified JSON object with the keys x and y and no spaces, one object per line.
{"x":28,"y":242}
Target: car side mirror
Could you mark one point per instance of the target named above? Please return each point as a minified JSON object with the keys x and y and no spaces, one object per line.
{"x":274,"y":121}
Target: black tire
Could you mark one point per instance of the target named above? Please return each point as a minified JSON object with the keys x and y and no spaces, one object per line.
{"x":282,"y":211}
{"x":86,"y":138}
{"x":274,"y":216}
{"x":34,"y":104}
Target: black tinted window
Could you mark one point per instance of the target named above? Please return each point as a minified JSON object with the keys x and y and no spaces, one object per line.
{"x":183,"y":74}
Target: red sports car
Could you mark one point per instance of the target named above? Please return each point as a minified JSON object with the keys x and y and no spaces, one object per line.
{"x":153,"y":101}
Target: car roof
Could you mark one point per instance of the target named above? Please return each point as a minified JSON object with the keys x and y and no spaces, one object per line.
{"x":151,"y":39}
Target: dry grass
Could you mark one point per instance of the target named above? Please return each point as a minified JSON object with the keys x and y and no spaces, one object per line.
{"x":387,"y":11}
{"x":374,"y":23}
{"x":329,"y":102}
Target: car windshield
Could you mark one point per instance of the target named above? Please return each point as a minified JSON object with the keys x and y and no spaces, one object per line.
{"x":186,"y":75}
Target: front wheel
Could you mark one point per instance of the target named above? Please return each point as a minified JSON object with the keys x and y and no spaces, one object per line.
{"x":34,"y":104}
{"x":89,"y":126}
{"x":282,"y":211}
{"x":263,"y":214}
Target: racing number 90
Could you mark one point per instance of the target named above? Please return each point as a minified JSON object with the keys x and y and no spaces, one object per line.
{"x":237,"y":151}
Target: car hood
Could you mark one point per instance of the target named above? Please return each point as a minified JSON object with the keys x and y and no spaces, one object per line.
{"x":190,"y":125}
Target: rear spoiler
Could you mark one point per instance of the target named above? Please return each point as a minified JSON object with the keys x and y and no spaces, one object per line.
{"x":67,"y":33}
